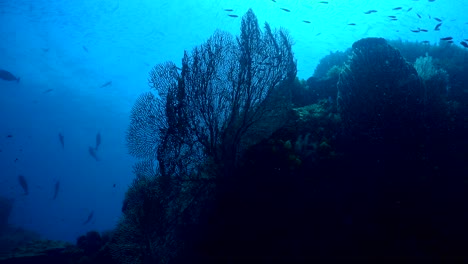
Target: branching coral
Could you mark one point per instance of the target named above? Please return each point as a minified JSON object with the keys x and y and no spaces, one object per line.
{"x":207,"y":112}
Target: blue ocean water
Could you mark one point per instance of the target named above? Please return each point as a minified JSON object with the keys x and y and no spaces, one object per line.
{"x":65,"y":52}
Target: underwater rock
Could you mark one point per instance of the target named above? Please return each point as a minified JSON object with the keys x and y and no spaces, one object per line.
{"x":40,"y":251}
{"x":379,"y":92}
{"x":90,"y":243}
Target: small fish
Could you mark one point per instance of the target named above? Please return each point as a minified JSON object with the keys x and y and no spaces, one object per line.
{"x":93,"y":154}
{"x":8,"y":76}
{"x":418,"y":15}
{"x":425,"y":42}
{"x":90,"y":217}
{"x":323,"y":2}
{"x":98,"y":140}
{"x":47,"y":91}
{"x":438,"y":19}
{"x":393,"y":19}
{"x":446,"y":38}
{"x":85,"y":48}
{"x":228,"y":10}
{"x":233,"y":15}
{"x":56,"y":190}
{"x":62,"y":140}
{"x":415,"y":30}
{"x":274,"y":1}
{"x":306,"y":21}
{"x":24,"y":184}
{"x":450,"y":42}
{"x":113,"y":185}
{"x":431,"y":0}
{"x":45,"y":49}
{"x":351,"y":24}
{"x":464,"y":44}
{"x":423,"y":30}
{"x":285,"y":9}
{"x":397,"y":8}
{"x":392,"y":16}
{"x":9,"y":136}
{"x":437,"y":27}
{"x":409,"y":9}
{"x":370,"y":12}
{"x":106,"y":84}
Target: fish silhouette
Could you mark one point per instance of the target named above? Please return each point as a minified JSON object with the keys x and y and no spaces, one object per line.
{"x":106,"y":84}
{"x":62,"y":140}
{"x":56,"y":190}
{"x":90,"y":217}
{"x":92,"y":152}
{"x":24,"y":184}
{"x":98,"y":140}
{"x":47,"y":91}
{"x":8,"y":76}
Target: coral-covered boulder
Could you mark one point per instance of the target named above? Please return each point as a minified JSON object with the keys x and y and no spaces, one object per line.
{"x":380,"y":96}
{"x":90,"y":243}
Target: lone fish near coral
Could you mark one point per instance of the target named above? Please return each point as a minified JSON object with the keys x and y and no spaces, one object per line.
{"x":8,"y":76}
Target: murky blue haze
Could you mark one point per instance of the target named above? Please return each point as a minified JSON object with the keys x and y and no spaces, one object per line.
{"x":65,"y":51}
